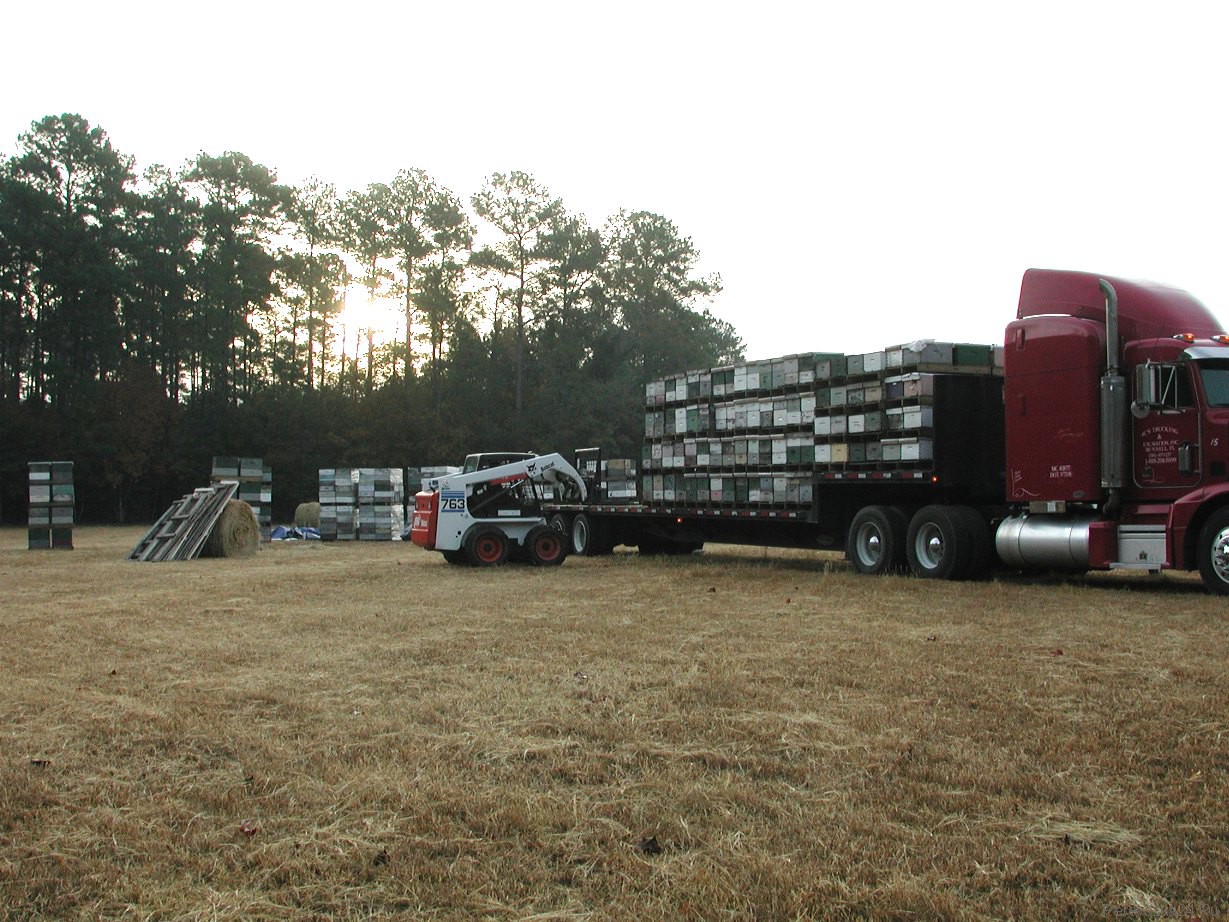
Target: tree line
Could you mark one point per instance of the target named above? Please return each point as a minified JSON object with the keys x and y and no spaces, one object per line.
{"x":151,"y":320}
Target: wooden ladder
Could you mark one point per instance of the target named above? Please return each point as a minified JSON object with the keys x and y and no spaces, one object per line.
{"x":181,"y":531}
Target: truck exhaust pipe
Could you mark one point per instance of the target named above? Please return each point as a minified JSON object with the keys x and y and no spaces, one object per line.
{"x":1114,"y":409}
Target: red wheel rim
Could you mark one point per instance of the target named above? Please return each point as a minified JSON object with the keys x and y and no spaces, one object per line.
{"x":489,"y":548}
{"x":548,"y":547}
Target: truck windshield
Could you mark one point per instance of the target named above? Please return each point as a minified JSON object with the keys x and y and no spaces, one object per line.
{"x":1215,"y":377}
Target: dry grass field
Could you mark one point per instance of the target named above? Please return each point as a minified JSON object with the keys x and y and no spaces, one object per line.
{"x":357,"y":731}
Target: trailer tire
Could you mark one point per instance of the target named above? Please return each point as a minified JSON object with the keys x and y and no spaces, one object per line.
{"x":939,"y":544}
{"x":1213,"y":550}
{"x":546,"y":546}
{"x":486,"y":546}
{"x":877,"y":538}
{"x":561,"y":523}
{"x":590,"y":536}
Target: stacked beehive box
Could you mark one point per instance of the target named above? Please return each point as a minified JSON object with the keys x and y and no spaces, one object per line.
{"x":759,"y":433}
{"x":381,"y":503}
{"x":255,"y":479}
{"x":52,"y":504}
{"x":338,"y":503}
{"x":615,"y":480}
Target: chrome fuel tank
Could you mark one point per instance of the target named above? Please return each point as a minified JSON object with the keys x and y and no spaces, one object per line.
{"x":1044,"y":542}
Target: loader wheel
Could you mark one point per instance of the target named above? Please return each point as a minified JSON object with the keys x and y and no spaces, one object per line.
{"x":455,"y":557}
{"x":546,"y":546}
{"x":876,"y":542}
{"x":486,"y":546}
{"x":1213,"y":550}
{"x":939,"y":545}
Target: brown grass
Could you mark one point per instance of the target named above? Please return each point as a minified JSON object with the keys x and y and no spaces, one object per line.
{"x":357,"y":730}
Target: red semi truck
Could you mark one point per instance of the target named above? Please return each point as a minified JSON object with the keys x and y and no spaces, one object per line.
{"x":1101,"y":443}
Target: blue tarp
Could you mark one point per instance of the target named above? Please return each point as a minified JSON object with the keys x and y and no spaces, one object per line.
{"x":282,"y":533}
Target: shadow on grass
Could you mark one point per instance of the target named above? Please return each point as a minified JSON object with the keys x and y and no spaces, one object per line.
{"x":795,"y":561}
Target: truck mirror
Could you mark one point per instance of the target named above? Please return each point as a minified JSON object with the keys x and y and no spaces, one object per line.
{"x":1147,"y":389}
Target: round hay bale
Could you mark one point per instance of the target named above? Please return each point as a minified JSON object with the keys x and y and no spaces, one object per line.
{"x":236,"y":534}
{"x":307,"y":515}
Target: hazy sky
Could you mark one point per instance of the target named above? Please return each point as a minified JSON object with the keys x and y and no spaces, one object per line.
{"x":860,"y":174}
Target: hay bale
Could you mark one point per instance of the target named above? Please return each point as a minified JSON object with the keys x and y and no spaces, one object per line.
{"x":307,"y":515}
{"x":236,"y":534}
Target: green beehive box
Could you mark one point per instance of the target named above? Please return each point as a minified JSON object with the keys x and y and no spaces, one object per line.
{"x":829,"y":367}
{"x":968,"y":355}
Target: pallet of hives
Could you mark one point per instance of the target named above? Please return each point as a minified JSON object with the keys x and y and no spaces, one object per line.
{"x":52,"y":502}
{"x":338,"y":503}
{"x":381,"y":504}
{"x":255,"y":480}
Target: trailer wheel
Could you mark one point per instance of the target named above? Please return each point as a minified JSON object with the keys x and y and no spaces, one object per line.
{"x":560,"y":523}
{"x":546,"y":546}
{"x":939,"y":545}
{"x":486,"y":546}
{"x":1214,"y":552}
{"x":590,"y":537}
{"x":876,"y":542}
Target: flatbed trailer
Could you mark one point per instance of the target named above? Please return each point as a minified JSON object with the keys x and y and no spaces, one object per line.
{"x":966,"y":467}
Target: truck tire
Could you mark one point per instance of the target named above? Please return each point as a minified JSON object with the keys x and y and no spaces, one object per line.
{"x":1213,"y":551}
{"x":546,"y":546}
{"x":561,"y":523}
{"x":486,"y":546}
{"x":590,"y":536}
{"x":939,"y":544}
{"x":982,"y":557}
{"x":876,"y":542}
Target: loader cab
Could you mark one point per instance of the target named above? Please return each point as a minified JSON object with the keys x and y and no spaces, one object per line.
{"x":518,"y":498}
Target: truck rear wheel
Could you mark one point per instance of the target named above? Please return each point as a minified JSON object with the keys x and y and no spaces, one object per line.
{"x":939,"y":544}
{"x":876,"y":542}
{"x":486,"y":546}
{"x":1213,"y":553}
{"x":981,"y":547}
{"x":546,"y":546}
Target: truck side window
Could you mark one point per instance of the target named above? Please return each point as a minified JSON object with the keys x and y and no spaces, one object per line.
{"x":1215,"y":378}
